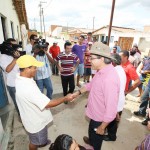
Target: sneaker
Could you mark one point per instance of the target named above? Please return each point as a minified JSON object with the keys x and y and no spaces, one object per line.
{"x":86,"y":140}
{"x":138,"y":113}
{"x":107,"y":138}
{"x":145,"y":122}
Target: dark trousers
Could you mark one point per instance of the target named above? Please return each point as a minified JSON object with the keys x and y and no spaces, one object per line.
{"x":144,"y":101}
{"x":67,"y":80}
{"x":54,"y":69}
{"x":95,"y":139}
{"x":112,"y":128}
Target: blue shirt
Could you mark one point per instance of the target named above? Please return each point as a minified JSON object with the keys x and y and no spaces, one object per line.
{"x":45,"y":71}
{"x":79,"y":51}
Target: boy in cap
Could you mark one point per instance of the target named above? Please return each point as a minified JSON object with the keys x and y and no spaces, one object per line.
{"x":33,"y":105}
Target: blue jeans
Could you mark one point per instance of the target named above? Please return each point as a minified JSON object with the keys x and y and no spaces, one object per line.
{"x":12,"y":93}
{"x":47,"y":84}
{"x":79,"y":70}
{"x":145,"y":100}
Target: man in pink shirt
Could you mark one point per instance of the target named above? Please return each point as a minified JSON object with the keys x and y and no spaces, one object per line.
{"x":103,"y":94}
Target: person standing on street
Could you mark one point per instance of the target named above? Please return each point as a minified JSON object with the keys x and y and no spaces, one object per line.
{"x":103,"y":98}
{"x":54,"y":50}
{"x":33,"y":104}
{"x":69,"y":63}
{"x":43,"y":74}
{"x":8,"y":64}
{"x":79,"y":50}
{"x":130,"y":72}
{"x":112,"y":127}
{"x":28,"y":48}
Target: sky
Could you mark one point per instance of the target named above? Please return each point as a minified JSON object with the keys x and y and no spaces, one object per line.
{"x":80,"y":13}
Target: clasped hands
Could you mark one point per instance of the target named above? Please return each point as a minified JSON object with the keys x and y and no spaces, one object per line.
{"x":71,"y":97}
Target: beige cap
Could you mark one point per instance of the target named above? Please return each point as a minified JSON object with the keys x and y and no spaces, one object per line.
{"x":101,"y":49}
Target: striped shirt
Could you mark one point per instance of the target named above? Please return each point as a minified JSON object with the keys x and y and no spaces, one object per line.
{"x":67,"y":62}
{"x":87,"y":62}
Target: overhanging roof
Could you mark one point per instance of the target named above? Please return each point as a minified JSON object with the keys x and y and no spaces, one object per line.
{"x":21,"y":11}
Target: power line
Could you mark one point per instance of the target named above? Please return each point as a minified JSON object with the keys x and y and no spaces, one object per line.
{"x":48,"y":5}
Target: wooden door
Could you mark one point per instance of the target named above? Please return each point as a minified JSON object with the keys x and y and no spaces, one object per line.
{"x":125,"y":42}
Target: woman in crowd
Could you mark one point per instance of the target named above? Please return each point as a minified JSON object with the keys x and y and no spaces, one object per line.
{"x":66,"y":142}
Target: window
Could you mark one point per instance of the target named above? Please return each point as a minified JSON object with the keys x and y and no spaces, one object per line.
{"x":102,"y":39}
{"x":12,"y":29}
{"x":112,"y":39}
{"x":18,"y":33}
{"x":106,"y":38}
{"x":3,"y":20}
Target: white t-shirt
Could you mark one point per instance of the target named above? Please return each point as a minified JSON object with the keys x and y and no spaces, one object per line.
{"x":122,"y":77}
{"x":5,"y":60}
{"x":137,"y":57}
{"x":31,"y":103}
{"x":28,"y":49}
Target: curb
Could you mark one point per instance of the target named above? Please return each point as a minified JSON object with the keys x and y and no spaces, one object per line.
{"x":7,"y":131}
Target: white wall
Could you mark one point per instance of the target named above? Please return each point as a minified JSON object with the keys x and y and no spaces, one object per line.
{"x":7,"y":10}
{"x":57,"y":32}
{"x":137,"y":35}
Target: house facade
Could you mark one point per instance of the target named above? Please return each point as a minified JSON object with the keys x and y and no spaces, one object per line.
{"x":67,"y":33}
{"x":12,"y":18}
{"x":126,"y":37}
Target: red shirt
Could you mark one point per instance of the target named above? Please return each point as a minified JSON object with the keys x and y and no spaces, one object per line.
{"x":130,"y":73}
{"x":54,"y":50}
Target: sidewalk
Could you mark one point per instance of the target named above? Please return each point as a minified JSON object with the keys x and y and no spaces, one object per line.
{"x":70,"y":119}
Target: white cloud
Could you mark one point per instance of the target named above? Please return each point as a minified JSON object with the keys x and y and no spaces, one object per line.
{"x":80,"y":13}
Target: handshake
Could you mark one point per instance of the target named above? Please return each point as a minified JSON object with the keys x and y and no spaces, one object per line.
{"x":71,"y":97}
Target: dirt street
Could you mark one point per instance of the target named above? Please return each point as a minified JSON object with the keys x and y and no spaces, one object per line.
{"x":70,"y":119}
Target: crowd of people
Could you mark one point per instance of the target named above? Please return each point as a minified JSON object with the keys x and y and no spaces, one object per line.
{"x":109,"y":75}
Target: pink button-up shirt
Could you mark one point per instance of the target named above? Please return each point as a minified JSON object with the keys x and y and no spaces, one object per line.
{"x":104,"y":95}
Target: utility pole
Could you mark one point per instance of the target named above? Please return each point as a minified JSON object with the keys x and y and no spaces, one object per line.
{"x":111,"y":19}
{"x":93,"y":23}
{"x":40,"y":5}
{"x":43,"y":24}
{"x":34,"y":24}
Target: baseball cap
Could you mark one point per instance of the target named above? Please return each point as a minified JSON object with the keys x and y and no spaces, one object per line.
{"x":55,"y":42}
{"x":90,"y":43}
{"x":26,"y":61}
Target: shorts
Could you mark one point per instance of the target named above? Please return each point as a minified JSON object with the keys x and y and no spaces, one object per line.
{"x":79,"y":70}
{"x":39,"y":138}
{"x":87,"y":71}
